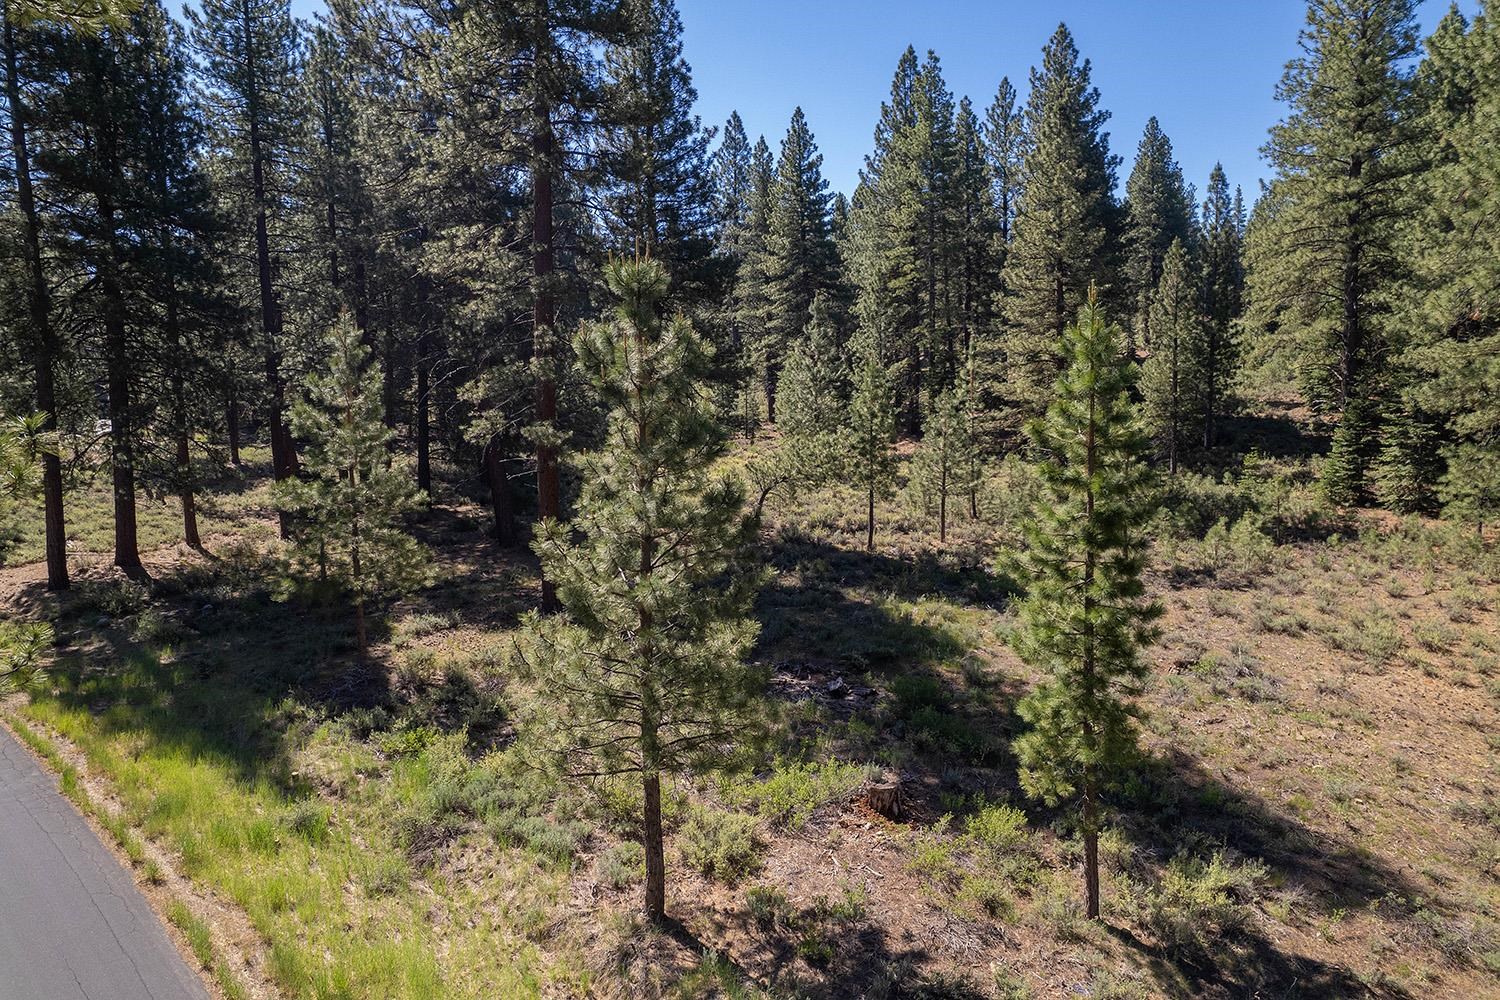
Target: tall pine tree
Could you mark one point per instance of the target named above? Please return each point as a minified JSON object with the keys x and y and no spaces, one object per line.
{"x":1325,"y":267}
{"x":645,"y":674}
{"x":1085,"y":616}
{"x":1065,"y":220}
{"x":1158,"y":210}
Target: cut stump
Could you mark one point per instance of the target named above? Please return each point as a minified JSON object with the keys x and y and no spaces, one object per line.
{"x":884,"y":796}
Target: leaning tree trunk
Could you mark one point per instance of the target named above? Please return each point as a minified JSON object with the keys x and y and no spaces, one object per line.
{"x":39,"y":308}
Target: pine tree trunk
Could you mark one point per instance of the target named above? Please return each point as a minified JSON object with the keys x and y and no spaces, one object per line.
{"x":122,"y":457}
{"x":232,"y":427}
{"x":501,"y":500}
{"x":548,"y":486}
{"x":361,"y":631}
{"x":651,"y":840}
{"x":769,"y":379}
{"x":388,"y":380}
{"x":424,"y":429}
{"x":1172,"y":423}
{"x":283,"y":456}
{"x":870,"y":518}
{"x":1211,"y":383}
{"x":943,"y":508}
{"x":39,"y":309}
{"x":1090,"y":851}
{"x":185,"y":492}
{"x":117,"y":378}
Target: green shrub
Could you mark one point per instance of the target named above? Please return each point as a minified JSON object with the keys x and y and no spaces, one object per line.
{"x":623,"y":864}
{"x":769,"y":907}
{"x":1197,"y":901}
{"x":793,"y":792}
{"x":721,"y":845}
{"x":916,"y":692}
{"x":998,"y":827}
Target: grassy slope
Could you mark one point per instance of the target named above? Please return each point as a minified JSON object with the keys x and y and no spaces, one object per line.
{"x":1317,"y":815}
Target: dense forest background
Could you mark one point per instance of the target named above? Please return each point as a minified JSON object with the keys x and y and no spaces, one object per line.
{"x":194,"y":206}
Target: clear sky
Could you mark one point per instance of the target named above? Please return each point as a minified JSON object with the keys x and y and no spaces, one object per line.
{"x":1207,"y":69}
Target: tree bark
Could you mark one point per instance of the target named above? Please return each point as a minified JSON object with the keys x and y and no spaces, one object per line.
{"x":424,"y":428}
{"x":870,"y":518}
{"x":1090,"y":852}
{"x":39,"y":308}
{"x":943,"y":507}
{"x":544,"y":308}
{"x":283,"y":454}
{"x":232,"y":426}
{"x":121,"y":444}
{"x":651,"y":840}
{"x":501,"y":501}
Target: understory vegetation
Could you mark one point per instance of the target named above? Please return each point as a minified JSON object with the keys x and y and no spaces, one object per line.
{"x":468,"y":529}
{"x":1315,"y":809}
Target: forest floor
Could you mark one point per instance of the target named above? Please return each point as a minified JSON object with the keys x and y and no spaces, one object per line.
{"x":1318,"y":813}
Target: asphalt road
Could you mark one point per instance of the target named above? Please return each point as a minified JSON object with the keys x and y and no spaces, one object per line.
{"x":73,"y":925}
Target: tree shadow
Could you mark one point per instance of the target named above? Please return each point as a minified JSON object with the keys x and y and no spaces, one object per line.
{"x":817,"y":951}
{"x":1275,"y":433}
{"x":210,"y":670}
{"x":1175,"y":807}
{"x":481,"y":585}
{"x":846,"y":631}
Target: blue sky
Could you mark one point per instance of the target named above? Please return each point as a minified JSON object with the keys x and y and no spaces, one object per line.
{"x":1207,"y":69}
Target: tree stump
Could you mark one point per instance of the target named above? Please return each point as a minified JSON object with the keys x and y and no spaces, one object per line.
{"x":884,"y":796}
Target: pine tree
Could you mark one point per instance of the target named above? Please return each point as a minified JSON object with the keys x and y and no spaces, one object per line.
{"x":1406,"y":470}
{"x":353,"y":499}
{"x":1453,"y":307}
{"x":659,"y":196}
{"x":1064,"y":220}
{"x":749,"y":305}
{"x":645,"y":674}
{"x":44,"y":344}
{"x":1005,"y":148}
{"x":881,"y":247}
{"x":542,"y":109}
{"x":1325,"y":266}
{"x":95,"y":144}
{"x":1223,"y":228}
{"x":248,"y":53}
{"x":872,"y":422}
{"x":975,"y":266}
{"x":798,"y":259}
{"x":1173,"y":377}
{"x":179,"y":261}
{"x":1085,"y":617}
{"x":1470,"y":487}
{"x":732,"y":169}
{"x":814,"y":392}
{"x":1344,"y":476}
{"x":943,"y":465}
{"x":1158,"y":210}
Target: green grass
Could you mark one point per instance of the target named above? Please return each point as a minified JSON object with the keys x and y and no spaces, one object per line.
{"x":230,"y":502}
{"x":214,"y":757}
